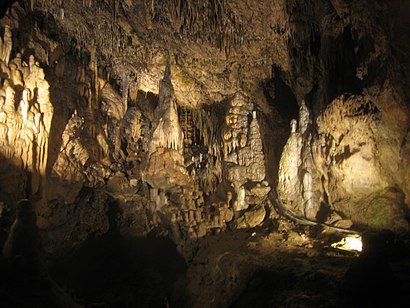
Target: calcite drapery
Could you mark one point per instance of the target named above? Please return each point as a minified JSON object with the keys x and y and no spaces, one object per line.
{"x":243,"y":153}
{"x":25,"y":129}
{"x":165,"y":170}
{"x":167,"y":132}
{"x":299,"y":184}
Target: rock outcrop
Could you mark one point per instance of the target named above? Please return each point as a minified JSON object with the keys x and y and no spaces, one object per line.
{"x":26,"y":113}
{"x":355,"y":157}
{"x":194,"y":150}
{"x":299,"y":184}
{"x":346,"y":166}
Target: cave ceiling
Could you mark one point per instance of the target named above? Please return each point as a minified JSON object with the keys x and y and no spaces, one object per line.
{"x":211,"y":53}
{"x":215,"y":47}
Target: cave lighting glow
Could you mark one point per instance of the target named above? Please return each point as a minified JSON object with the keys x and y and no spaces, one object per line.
{"x":349,"y":243}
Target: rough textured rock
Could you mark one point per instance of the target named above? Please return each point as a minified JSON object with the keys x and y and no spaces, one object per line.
{"x":127,"y":118}
{"x":201,"y":140}
{"x":348,"y":164}
{"x":355,"y":158}
{"x":25,"y":114}
{"x":252,"y":218}
{"x":299,"y":184}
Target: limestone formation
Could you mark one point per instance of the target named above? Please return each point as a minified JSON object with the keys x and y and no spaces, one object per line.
{"x":257,"y":168}
{"x":240,"y":203}
{"x":289,"y":183}
{"x":299,"y":184}
{"x":107,"y":141}
{"x":27,"y":127}
{"x":252,"y":218}
{"x":243,"y":149}
{"x":167,"y":132}
{"x":7,"y":44}
{"x":73,"y":155}
{"x":354,"y":158}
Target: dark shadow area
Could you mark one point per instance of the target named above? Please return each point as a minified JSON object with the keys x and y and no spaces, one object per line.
{"x":112,"y":271}
{"x":15,"y":182}
{"x":281,"y":97}
{"x":4,"y":6}
{"x":24,"y":280}
{"x":288,"y":288}
{"x":339,"y":64}
{"x":380,"y":276}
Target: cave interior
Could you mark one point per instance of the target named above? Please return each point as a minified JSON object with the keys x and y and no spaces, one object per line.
{"x":182,"y":153}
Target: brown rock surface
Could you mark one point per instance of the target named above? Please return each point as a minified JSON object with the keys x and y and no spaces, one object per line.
{"x":124,"y":119}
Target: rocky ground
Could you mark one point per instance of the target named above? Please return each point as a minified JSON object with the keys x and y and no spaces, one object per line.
{"x":270,"y":266}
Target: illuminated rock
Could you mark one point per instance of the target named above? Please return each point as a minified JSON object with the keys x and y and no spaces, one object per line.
{"x":256,"y":169}
{"x":16,"y":75}
{"x":299,"y":184}
{"x":7,"y":45}
{"x":289,"y":184}
{"x":243,"y":148}
{"x":167,"y":132}
{"x":354,"y":155}
{"x":26,"y":123}
{"x":349,"y":243}
{"x":240,"y":203}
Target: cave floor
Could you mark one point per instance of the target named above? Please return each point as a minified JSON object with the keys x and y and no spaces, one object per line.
{"x":260,"y":269}
{"x":256,"y":268}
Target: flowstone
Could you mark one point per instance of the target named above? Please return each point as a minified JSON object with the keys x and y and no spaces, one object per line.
{"x":299,"y":184}
{"x":24,"y":130}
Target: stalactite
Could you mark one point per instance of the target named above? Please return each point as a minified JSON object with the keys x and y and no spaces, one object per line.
{"x":87,"y":3}
{"x":125,"y":87}
{"x":94,"y":78}
{"x":206,"y":21}
{"x":153,"y":9}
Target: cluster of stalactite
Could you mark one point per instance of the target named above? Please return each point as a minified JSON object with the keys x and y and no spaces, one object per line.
{"x":112,"y":46}
{"x":208,"y":21}
{"x":85,"y":3}
{"x":202,"y":152}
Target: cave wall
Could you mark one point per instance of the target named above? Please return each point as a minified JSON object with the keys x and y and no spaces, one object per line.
{"x":179,"y":117}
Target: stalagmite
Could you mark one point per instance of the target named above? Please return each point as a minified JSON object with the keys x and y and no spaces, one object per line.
{"x":299,"y":183}
{"x":167,"y":133}
{"x":289,"y":185}
{"x":304,"y":118}
{"x":9,"y":107}
{"x":15,"y":75}
{"x":257,"y":168}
